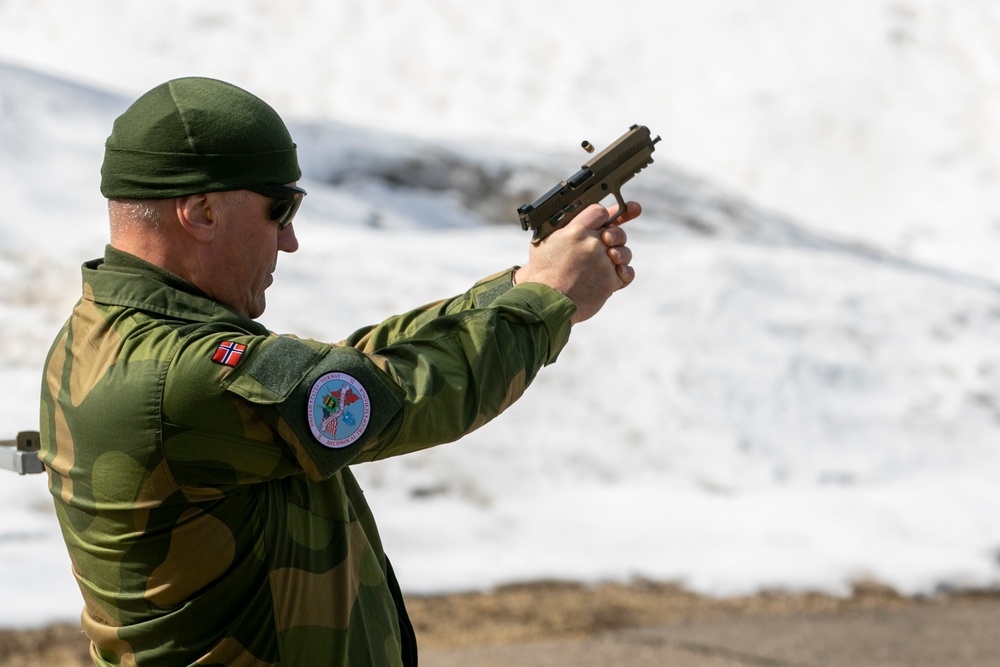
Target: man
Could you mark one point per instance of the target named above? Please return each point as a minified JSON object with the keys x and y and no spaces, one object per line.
{"x":199,"y":462}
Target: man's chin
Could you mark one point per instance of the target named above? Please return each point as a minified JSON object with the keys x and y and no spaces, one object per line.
{"x":257,"y":309}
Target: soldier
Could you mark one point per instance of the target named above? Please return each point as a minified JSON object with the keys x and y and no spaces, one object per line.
{"x":199,"y":462}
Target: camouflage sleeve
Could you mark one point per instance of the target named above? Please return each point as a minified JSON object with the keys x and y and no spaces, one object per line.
{"x":482,"y":294}
{"x":461,"y":369}
{"x":244,"y":408}
{"x":414,"y":381}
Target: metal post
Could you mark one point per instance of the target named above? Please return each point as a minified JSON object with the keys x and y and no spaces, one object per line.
{"x":21,"y":455}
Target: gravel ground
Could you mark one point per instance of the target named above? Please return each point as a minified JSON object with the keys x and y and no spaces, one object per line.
{"x":533,"y":612}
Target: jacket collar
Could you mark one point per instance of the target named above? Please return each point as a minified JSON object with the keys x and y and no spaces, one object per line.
{"x":122,"y":279}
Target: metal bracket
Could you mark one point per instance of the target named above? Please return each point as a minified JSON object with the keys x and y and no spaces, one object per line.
{"x":21,"y":455}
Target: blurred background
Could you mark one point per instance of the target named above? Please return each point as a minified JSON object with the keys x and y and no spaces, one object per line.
{"x":801,"y":391}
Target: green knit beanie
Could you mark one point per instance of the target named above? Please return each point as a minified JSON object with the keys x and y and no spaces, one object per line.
{"x":195,"y":135}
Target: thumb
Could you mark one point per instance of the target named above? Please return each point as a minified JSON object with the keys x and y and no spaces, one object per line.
{"x":594,"y":216}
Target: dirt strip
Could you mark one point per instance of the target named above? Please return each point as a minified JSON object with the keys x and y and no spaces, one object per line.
{"x":533,"y":612}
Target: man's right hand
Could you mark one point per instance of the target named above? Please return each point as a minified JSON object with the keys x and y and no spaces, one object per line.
{"x":584,"y":260}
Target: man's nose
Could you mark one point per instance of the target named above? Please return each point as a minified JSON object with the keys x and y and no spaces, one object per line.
{"x":287,"y":242}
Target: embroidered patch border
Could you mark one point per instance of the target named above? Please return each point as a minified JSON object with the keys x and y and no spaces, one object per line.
{"x":339,"y":410}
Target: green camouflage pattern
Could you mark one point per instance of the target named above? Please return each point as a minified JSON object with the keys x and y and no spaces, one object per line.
{"x":205,"y":523}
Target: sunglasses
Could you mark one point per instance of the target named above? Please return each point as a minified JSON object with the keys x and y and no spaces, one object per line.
{"x":288,"y":197}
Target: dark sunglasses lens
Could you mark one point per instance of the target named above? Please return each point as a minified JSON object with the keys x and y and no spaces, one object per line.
{"x":285,"y":209}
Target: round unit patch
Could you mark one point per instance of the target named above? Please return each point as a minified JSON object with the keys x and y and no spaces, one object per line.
{"x":339,"y":410}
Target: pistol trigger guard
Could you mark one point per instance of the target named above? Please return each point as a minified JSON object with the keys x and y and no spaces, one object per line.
{"x":622,"y":207}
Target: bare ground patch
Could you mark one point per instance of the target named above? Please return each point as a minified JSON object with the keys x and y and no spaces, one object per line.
{"x":531,"y":612}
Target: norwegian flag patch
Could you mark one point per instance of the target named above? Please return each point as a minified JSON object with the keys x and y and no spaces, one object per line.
{"x":229,"y":353}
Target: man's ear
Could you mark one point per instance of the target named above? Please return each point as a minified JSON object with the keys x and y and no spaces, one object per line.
{"x":194,"y":212}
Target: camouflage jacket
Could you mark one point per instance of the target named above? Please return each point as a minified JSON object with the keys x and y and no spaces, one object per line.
{"x":198,"y":461}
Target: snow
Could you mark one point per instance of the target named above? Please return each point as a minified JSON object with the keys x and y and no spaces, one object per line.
{"x":800,"y":391}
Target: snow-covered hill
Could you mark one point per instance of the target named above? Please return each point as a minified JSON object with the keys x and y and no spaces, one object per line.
{"x":801,"y":389}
